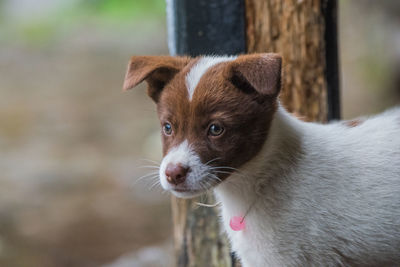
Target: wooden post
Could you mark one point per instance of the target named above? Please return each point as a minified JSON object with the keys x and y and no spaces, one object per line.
{"x":303,"y":32}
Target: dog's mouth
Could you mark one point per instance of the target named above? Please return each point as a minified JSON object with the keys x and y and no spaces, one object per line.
{"x":198,"y":181}
{"x":200,"y":187}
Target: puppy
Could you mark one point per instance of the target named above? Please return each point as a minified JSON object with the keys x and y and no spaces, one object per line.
{"x":292,"y":193}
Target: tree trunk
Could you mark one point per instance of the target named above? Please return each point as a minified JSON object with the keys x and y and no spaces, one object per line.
{"x":197,"y":235}
{"x":297,"y":29}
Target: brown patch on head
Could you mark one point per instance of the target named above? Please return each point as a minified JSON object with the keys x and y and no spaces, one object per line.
{"x":239,"y":95}
{"x":353,"y":123}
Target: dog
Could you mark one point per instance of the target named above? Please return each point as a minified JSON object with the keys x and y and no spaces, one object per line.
{"x":292,"y":193}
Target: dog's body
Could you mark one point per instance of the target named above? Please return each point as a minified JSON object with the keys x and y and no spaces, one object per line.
{"x":325,"y":195}
{"x":311,"y":194}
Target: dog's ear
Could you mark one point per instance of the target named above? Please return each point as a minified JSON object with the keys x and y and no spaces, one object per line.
{"x":157,"y":71}
{"x":260,"y":73}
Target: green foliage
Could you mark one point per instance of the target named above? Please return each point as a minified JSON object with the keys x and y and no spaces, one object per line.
{"x":124,"y":9}
{"x":375,"y":70}
{"x":38,"y":33}
{"x":1,"y":10}
{"x":42,"y":30}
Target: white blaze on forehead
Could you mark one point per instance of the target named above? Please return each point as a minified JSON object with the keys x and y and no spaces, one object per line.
{"x":198,"y":70}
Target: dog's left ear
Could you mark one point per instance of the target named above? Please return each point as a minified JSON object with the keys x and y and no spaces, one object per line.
{"x":157,"y":71}
{"x":260,"y":73}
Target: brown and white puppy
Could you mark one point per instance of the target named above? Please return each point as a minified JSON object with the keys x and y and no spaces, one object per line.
{"x":221,"y":119}
{"x":312,"y":194}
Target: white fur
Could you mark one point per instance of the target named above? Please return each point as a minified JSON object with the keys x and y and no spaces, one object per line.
{"x":321,"y":192}
{"x":197,"y":71}
{"x":198,"y":178}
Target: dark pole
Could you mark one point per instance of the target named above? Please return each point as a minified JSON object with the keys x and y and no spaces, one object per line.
{"x":206,"y":27}
{"x":330,"y":11}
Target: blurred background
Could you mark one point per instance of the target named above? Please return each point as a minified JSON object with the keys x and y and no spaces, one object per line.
{"x":73,"y":146}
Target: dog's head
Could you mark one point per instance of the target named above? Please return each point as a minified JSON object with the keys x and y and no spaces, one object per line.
{"x":215,"y":113}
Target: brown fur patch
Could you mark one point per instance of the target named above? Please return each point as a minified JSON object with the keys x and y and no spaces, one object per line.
{"x":241,"y":95}
{"x":258,"y":72}
{"x":353,"y":123}
{"x":244,"y":113}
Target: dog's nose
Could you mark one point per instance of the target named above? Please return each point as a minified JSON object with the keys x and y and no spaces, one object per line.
{"x":176,"y":174}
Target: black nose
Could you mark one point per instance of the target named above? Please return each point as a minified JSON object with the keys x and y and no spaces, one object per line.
{"x":176,"y":174}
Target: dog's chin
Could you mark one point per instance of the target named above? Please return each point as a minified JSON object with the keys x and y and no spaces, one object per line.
{"x":187,"y":193}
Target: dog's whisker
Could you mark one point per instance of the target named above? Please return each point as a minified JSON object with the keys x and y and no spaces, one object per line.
{"x":212,"y":160}
{"x":227,"y":168}
{"x":218,"y":171}
{"x":207,"y":185}
{"x":156,"y":183}
{"x":203,"y":185}
{"x":149,"y":167}
{"x":224,"y":167}
{"x":151,"y":161}
{"x":229,"y":171}
{"x":214,"y":177}
{"x":147,"y":176}
{"x":149,"y":180}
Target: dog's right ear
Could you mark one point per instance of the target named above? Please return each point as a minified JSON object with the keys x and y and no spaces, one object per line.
{"x":260,"y":73}
{"x":157,"y":71}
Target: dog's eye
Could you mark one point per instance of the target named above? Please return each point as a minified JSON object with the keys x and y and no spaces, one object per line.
{"x":215,"y":129}
{"x":167,"y":128}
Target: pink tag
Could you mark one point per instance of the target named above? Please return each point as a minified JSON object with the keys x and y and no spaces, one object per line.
{"x":237,"y":223}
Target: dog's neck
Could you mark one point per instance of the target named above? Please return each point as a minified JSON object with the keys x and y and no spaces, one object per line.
{"x":255,"y":178}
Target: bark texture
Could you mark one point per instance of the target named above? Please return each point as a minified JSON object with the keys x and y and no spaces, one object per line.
{"x":198,"y":237}
{"x":295,"y":29}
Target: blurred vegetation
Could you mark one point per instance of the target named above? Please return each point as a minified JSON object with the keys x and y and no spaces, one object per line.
{"x":124,"y":9}
{"x":45,"y":28}
{"x":73,"y":199}
{"x":1,"y":9}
